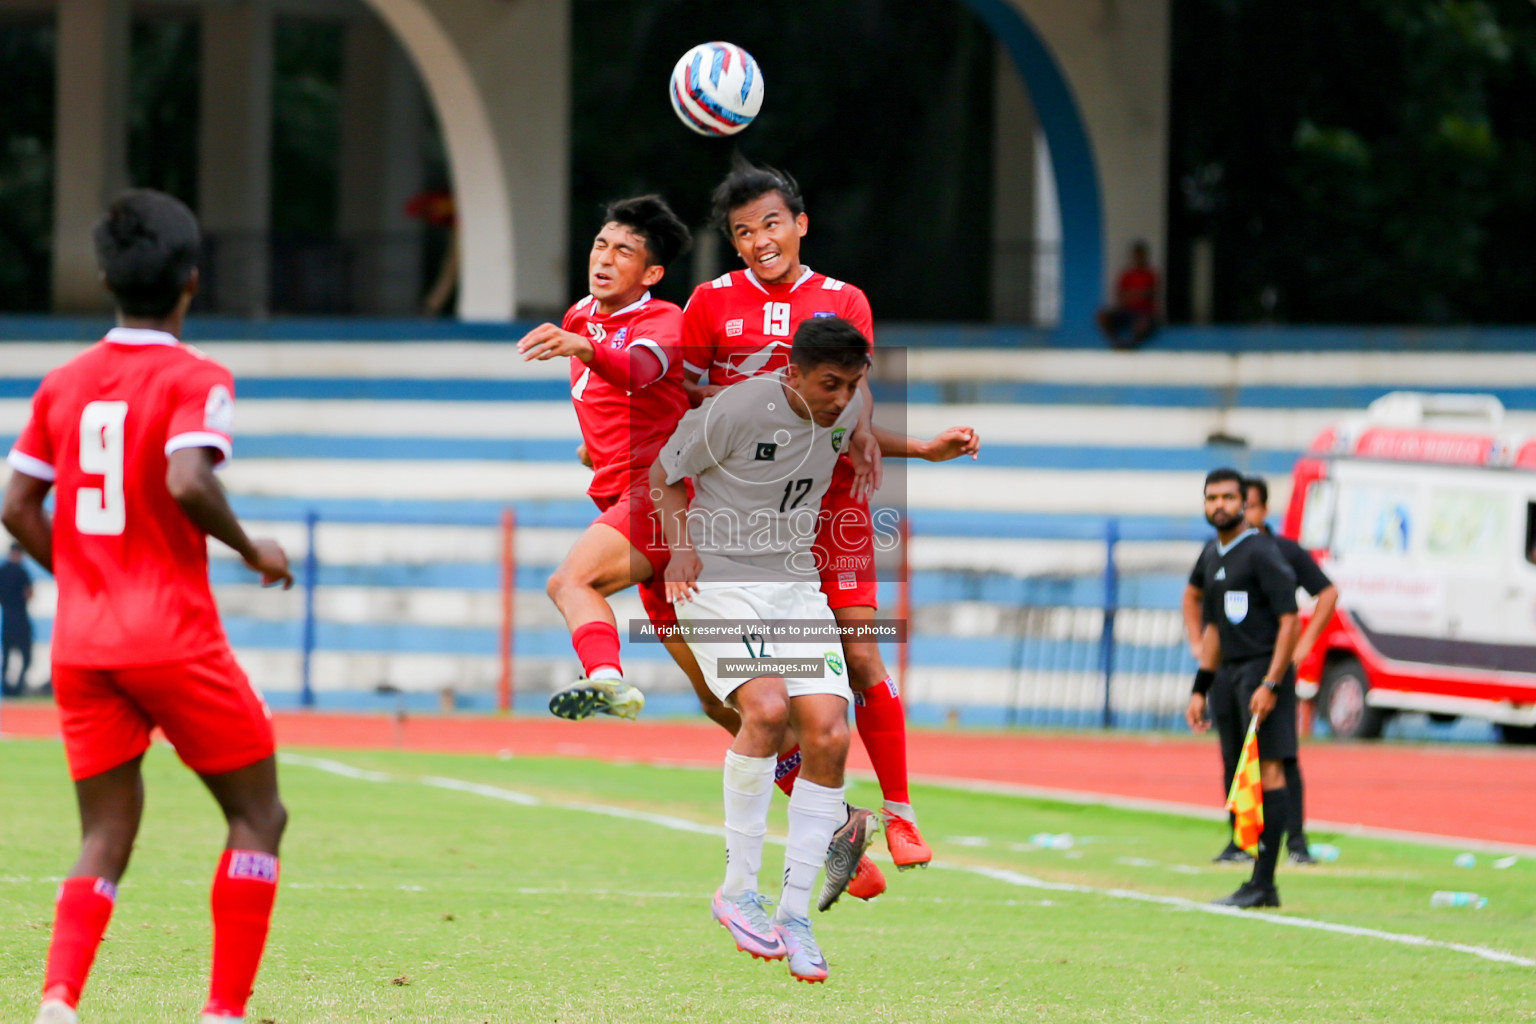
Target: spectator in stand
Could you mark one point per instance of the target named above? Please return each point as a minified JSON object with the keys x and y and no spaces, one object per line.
{"x":1133,"y":318}
{"x":435,"y":208}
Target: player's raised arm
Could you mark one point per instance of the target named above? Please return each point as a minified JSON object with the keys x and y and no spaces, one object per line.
{"x":631,"y":368}
{"x":190,"y":478}
{"x":548,"y":341}
{"x":949,"y":444}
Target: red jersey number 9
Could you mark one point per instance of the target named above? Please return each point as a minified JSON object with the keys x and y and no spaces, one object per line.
{"x":101,"y":510}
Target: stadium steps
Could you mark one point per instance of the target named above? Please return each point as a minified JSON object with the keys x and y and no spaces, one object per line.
{"x":409,"y":452}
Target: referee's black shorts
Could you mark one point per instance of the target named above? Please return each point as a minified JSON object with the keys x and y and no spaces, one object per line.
{"x":1233,"y":689}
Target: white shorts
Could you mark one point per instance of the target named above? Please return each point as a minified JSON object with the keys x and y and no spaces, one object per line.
{"x":767,"y":602}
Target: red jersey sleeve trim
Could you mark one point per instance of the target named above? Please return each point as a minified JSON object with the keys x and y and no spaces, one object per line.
{"x":661,"y":353}
{"x":202,"y":439}
{"x":31,"y":465}
{"x":628,"y":369}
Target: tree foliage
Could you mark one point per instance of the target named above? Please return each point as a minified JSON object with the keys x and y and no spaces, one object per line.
{"x":26,"y":163}
{"x":1368,"y":161}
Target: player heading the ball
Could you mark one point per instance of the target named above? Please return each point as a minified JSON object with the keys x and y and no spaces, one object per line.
{"x":761,"y":455}
{"x":739,"y":326}
{"x":130,"y":432}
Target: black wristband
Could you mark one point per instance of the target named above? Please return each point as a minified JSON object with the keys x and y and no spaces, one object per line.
{"x":1204,"y":677}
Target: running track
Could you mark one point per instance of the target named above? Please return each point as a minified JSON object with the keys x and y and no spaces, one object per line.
{"x":1483,"y":794}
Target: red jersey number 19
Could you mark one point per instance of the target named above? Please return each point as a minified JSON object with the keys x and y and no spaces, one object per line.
{"x":101,"y":510}
{"x":776,"y":319}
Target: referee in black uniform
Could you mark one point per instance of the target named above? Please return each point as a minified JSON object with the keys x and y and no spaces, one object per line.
{"x":1245,"y":662}
{"x":1311,"y":578}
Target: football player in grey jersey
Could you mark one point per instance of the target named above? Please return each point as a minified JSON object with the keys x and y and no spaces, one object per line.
{"x":744,"y":580}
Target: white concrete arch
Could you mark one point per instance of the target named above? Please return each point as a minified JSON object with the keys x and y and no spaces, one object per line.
{"x":498,"y":76}
{"x":487,"y":275}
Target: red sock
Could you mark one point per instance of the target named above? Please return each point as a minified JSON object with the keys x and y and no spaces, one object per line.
{"x":80,"y":918}
{"x":787,"y":770}
{"x":597,"y":645}
{"x":243,"y":891}
{"x":883,"y":728}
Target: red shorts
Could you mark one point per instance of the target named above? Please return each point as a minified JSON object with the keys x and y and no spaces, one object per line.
{"x":845,"y":545}
{"x":633,"y":514}
{"x":206,"y":707}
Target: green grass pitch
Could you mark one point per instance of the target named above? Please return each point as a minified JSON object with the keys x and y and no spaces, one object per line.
{"x":404,"y":900}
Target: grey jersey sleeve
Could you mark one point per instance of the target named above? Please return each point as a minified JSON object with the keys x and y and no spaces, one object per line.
{"x":700,"y":442}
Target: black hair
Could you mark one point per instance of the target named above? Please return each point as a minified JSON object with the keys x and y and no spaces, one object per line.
{"x":1222,"y":475}
{"x":829,"y":341}
{"x":147,"y":247}
{"x":748,"y":181}
{"x":1257,"y":483}
{"x":649,"y":216}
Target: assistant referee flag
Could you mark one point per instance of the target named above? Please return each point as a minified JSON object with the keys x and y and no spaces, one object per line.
{"x":1246,"y":800}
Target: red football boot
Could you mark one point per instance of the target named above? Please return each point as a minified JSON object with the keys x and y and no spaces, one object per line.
{"x":868,"y":880}
{"x":906,"y":844}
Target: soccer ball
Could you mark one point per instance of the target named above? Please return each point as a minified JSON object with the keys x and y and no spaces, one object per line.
{"x":717,"y":89}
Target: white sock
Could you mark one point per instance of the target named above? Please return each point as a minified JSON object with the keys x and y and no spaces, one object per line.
{"x":896,"y":810}
{"x":815,"y":812}
{"x":748,"y":794}
{"x":606,"y":672}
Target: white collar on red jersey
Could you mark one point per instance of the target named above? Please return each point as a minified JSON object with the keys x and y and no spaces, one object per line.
{"x":805,"y":275}
{"x":140,"y":336}
{"x":642,"y":300}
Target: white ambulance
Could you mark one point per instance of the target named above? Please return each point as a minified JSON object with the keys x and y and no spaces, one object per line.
{"x":1423,"y":512}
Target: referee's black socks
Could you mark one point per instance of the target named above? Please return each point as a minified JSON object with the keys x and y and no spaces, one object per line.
{"x":1296,"y":832}
{"x":1277,"y":804}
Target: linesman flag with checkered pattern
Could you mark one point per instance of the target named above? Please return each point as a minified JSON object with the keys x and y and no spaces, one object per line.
{"x":1246,"y":800}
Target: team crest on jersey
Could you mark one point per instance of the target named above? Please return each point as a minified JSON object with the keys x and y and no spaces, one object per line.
{"x":733,"y":328}
{"x":618,"y":339}
{"x":834,"y":662}
{"x":766,"y":450}
{"x":219,"y":410}
{"x":1236,"y":603}
{"x":598,"y":331}
{"x":837,"y":438}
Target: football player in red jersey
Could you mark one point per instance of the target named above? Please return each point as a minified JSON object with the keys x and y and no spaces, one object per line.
{"x":130,"y":432}
{"x":627,"y":386}
{"x":742,"y":324}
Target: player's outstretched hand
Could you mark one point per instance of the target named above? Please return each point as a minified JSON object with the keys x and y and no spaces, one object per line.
{"x":864,"y":450}
{"x":1194,"y":714}
{"x":682,"y":575}
{"x":547,"y":341}
{"x":267,"y":558}
{"x":953,"y":443}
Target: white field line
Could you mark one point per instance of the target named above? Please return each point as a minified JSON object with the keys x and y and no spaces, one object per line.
{"x":1210,"y":813}
{"x":1180,"y":903}
{"x":997,"y":874}
{"x":334,"y":767}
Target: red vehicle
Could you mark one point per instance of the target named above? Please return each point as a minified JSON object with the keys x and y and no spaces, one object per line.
{"x":1423,"y":512}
